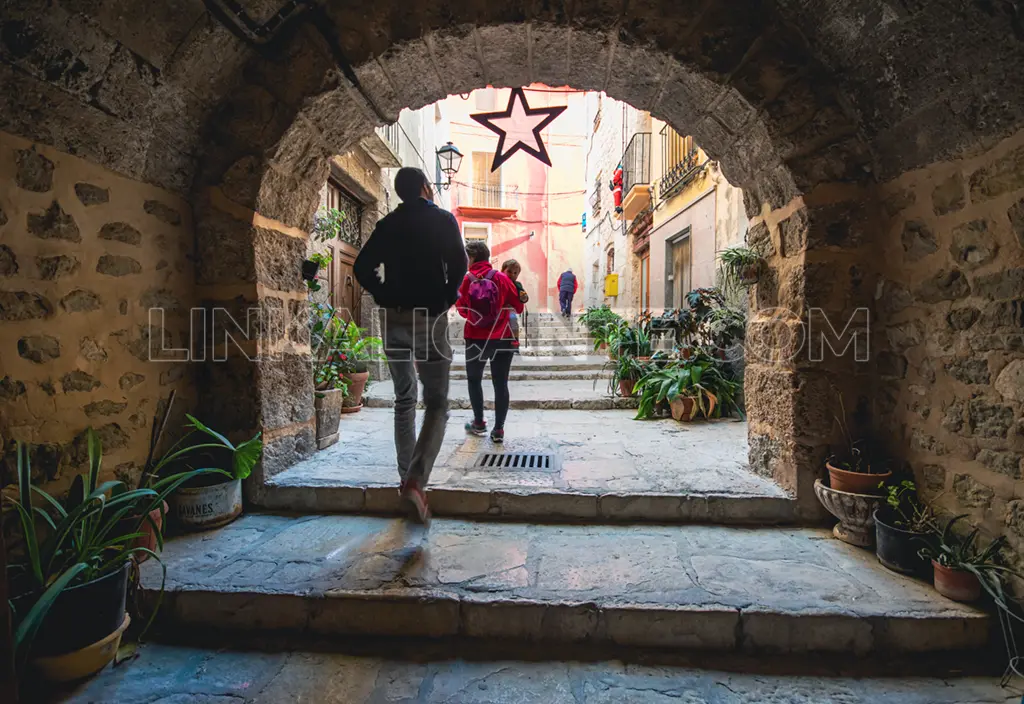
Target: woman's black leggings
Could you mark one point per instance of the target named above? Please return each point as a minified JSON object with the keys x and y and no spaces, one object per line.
{"x":499,"y":353}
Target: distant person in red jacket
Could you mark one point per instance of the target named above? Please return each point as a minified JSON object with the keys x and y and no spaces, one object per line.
{"x":567,"y":287}
{"x":487,"y":298}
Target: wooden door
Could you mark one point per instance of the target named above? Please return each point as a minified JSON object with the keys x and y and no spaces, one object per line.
{"x":346,"y":293}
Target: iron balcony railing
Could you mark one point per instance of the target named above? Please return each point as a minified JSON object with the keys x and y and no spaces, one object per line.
{"x":680,"y":157}
{"x":636,"y":162}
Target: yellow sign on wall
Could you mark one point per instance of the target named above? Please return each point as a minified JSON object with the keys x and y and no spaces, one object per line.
{"x":611,"y":285}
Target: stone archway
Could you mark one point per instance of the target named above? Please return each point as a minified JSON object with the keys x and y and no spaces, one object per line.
{"x":789,"y":404}
{"x":808,"y":107}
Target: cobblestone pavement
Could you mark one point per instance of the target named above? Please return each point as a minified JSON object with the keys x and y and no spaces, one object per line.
{"x":597,"y":452}
{"x":176,"y":675}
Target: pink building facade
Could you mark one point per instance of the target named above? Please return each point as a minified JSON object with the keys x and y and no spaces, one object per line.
{"x":525,"y":210}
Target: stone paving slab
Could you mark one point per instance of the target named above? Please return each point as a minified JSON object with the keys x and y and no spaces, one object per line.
{"x":608,"y":467}
{"x":564,"y":394}
{"x":166,"y":673}
{"x":770,"y":590}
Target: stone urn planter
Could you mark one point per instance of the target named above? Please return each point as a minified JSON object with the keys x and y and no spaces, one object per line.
{"x":854,"y":511}
{"x":353,"y":402}
{"x":328,"y":406}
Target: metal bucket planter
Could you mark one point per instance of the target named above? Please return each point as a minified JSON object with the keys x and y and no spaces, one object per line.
{"x":328,"y":406}
{"x":199,"y":508}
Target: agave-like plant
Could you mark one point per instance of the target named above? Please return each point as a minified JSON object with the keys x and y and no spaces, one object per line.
{"x":88,"y":536}
{"x":962,"y":553}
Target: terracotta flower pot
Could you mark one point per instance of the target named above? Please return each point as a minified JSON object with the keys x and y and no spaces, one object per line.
{"x":682,"y":408}
{"x":356,"y":386}
{"x":957,"y":585}
{"x":626,"y":387}
{"x":855,"y":482}
{"x":149,"y":540}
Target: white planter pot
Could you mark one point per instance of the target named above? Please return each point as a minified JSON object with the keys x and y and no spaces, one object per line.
{"x":208,"y":506}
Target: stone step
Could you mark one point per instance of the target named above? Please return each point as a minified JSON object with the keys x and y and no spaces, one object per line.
{"x":580,"y":362}
{"x":556,"y":342}
{"x":226,"y":670}
{"x":604,"y":468}
{"x":705,"y":588}
{"x":534,"y":375}
{"x":581,"y":394}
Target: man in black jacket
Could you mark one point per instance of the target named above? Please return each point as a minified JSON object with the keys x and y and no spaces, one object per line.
{"x":413,"y":265}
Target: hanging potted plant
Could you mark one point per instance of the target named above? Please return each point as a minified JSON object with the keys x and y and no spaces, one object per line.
{"x":741,"y":265}
{"x":69,"y":589}
{"x":962,"y":569}
{"x":901,"y":527}
{"x":213,"y":499}
{"x":311,"y":268}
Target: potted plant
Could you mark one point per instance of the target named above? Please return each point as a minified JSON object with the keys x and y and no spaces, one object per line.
{"x":692,"y":386}
{"x":70,"y":587}
{"x":626,"y":371}
{"x":962,"y":569}
{"x":851,"y":470}
{"x":741,"y":265}
{"x":342,"y":348}
{"x":311,"y":267}
{"x":901,"y":525}
{"x":595,"y":320}
{"x":214,"y":498}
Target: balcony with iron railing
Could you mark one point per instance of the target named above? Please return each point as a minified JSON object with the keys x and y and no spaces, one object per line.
{"x":636,"y":175}
{"x":682,"y":163}
{"x":487,"y":201}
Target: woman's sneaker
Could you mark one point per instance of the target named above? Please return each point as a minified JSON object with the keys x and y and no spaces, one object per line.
{"x":498,"y":435}
{"x":479,"y":430}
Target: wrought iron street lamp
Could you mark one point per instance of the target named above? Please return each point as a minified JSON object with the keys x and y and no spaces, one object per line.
{"x":449,"y":159}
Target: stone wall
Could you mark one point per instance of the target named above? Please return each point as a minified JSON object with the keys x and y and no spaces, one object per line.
{"x":84,"y":255}
{"x":950,"y":336}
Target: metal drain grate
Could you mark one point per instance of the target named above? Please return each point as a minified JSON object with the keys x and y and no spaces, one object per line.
{"x":535,"y":461}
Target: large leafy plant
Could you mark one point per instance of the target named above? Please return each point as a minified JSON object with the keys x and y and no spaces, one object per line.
{"x":87,"y":536}
{"x":700,"y":378}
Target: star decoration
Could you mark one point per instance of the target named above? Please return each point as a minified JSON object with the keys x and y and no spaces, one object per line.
{"x":521,"y":123}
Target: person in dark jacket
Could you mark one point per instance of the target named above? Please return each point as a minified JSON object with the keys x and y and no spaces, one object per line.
{"x":413,"y":265}
{"x":567,"y":287}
